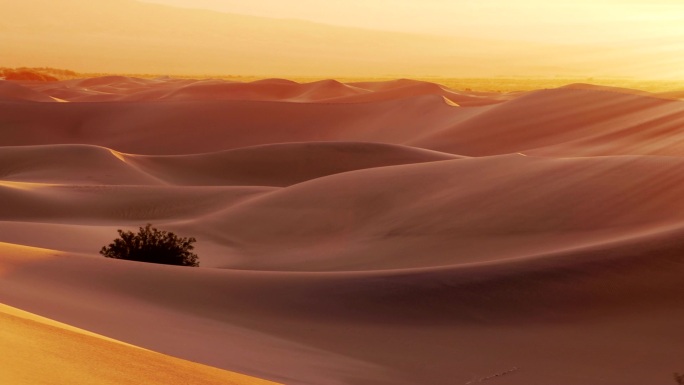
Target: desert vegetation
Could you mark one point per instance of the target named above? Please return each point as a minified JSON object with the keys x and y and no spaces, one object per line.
{"x":679,"y":378}
{"x":153,"y":246}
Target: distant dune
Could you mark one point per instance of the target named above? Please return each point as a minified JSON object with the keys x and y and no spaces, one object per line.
{"x":349,"y":233}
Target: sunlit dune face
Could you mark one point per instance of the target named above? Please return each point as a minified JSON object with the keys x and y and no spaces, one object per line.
{"x":69,"y":355}
{"x":120,"y":156}
{"x":21,"y":185}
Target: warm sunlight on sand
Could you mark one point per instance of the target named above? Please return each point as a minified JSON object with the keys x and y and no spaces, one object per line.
{"x":21,"y":185}
{"x":118,"y":155}
{"x":36,"y":350}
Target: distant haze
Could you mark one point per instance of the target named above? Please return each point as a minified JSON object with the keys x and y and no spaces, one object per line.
{"x":540,"y":20}
{"x":446,"y":38}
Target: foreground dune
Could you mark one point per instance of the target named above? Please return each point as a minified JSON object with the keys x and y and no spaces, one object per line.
{"x":573,"y":313}
{"x":36,"y":350}
{"x":367,"y":233}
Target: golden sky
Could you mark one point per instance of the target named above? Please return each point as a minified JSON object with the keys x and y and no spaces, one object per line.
{"x":395,"y":38}
{"x":568,"y":21}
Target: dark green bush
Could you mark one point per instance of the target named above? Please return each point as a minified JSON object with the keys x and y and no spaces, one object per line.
{"x":679,"y":378}
{"x":153,"y":246}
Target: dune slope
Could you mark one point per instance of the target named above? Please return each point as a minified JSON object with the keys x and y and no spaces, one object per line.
{"x":439,"y":213}
{"x":36,"y":350}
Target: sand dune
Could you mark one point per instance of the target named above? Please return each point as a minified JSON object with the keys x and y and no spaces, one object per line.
{"x":50,"y":203}
{"x":567,"y":122}
{"x":13,"y":92}
{"x":369,"y":327}
{"x":165,"y":128}
{"x":281,"y":164}
{"x":264,"y":90}
{"x":411,"y":88}
{"x":576,"y":120}
{"x":37,"y":350}
{"x":367,"y":233}
{"x":121,"y":88}
{"x":379,"y":218}
{"x":268,"y":165}
{"x":69,"y":164}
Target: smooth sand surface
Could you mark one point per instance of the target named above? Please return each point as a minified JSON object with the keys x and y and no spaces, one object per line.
{"x":37,"y":350}
{"x":367,"y":233}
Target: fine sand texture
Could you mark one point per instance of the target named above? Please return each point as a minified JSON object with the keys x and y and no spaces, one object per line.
{"x":36,"y":350}
{"x":349,"y":234}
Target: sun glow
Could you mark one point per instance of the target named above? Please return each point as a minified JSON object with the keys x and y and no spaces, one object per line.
{"x":563,"y":22}
{"x":411,"y":38}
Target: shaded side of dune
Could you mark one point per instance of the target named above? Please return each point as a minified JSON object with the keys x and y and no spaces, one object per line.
{"x":280,"y":164}
{"x":449,"y":212}
{"x":166,"y":128}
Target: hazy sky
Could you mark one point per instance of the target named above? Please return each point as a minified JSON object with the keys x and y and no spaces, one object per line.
{"x":473,"y":38}
{"x":569,"y":21}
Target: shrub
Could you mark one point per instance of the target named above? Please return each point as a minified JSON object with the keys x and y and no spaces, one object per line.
{"x":153,"y":246}
{"x":679,"y":378}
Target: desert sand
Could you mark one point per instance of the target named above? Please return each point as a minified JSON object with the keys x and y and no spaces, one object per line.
{"x":364,"y":233}
{"x":36,"y":350}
